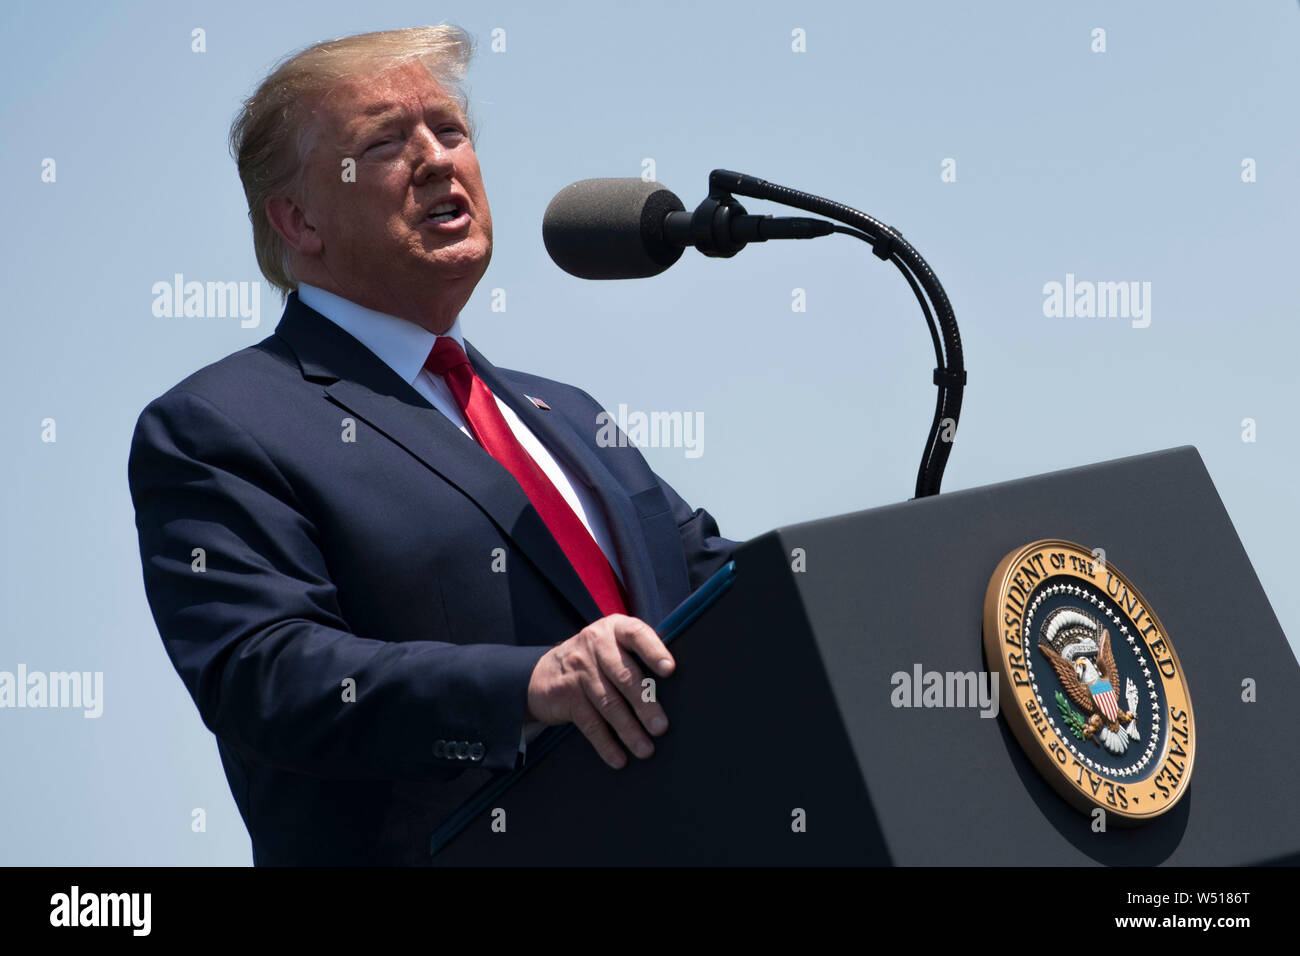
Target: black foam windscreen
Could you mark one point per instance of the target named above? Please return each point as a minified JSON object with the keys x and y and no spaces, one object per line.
{"x":611,"y":229}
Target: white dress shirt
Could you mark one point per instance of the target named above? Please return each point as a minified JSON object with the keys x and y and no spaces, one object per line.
{"x":404,"y":346}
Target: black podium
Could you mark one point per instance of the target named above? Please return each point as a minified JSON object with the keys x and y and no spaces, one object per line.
{"x":781,"y":706}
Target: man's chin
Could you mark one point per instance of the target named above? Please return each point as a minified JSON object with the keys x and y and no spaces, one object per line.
{"x":444,"y":270}
{"x":452,"y":250}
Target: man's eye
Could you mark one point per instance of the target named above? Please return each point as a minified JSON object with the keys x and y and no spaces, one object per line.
{"x":378,"y":143}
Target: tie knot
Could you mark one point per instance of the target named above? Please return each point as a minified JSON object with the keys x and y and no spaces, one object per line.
{"x":445,"y":355}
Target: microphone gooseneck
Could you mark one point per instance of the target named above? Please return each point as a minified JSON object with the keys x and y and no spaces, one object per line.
{"x":888,"y":244}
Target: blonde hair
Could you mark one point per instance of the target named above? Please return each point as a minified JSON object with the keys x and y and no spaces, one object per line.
{"x":270,"y":136}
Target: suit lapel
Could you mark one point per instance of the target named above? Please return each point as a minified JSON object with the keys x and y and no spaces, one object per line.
{"x":363,"y":385}
{"x":558,"y":434}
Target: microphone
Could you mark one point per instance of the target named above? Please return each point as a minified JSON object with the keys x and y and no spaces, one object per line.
{"x":633,"y":229}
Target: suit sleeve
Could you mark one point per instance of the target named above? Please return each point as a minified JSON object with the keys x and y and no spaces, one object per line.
{"x":243,"y":600}
{"x":702,"y":544}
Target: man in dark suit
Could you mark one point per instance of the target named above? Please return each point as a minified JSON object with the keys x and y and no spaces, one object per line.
{"x":379,"y":563}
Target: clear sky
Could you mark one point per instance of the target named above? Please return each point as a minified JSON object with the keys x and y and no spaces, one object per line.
{"x":1118,"y":166}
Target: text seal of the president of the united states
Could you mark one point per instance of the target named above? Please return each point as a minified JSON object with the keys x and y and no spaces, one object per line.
{"x":1091,"y":685}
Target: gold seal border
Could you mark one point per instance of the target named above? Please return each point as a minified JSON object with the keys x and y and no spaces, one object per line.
{"x":1061,"y":776}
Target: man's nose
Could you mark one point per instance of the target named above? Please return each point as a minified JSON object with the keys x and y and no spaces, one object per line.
{"x":434,"y":158}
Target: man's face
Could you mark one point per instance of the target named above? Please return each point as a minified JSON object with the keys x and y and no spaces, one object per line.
{"x":376,"y":240}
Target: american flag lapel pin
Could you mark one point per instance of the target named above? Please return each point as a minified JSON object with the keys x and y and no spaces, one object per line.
{"x":538,"y":402}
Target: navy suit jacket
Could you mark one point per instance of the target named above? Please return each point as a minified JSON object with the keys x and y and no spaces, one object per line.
{"x":357,"y":621}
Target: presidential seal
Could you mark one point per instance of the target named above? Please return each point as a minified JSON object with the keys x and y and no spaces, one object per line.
{"x":1090,"y":684}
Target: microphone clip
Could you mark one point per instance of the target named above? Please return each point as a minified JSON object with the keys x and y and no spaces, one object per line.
{"x":711,"y":227}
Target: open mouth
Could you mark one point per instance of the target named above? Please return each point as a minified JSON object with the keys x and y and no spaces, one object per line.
{"x":447,"y":214}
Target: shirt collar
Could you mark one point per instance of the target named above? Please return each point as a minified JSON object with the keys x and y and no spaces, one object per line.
{"x":399,"y":343}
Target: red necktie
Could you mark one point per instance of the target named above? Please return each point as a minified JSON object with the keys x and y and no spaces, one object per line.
{"x":489,"y":426}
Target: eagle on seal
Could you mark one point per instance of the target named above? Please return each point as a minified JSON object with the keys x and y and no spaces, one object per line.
{"x":1070,"y":642}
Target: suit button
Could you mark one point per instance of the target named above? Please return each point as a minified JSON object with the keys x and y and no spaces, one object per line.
{"x":462,"y":749}
{"x":440,"y":748}
{"x":476,"y":750}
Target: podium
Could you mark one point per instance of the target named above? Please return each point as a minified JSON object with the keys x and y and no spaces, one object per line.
{"x":786,"y":748}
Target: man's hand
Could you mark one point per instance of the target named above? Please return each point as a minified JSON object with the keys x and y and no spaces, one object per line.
{"x":593,"y":681}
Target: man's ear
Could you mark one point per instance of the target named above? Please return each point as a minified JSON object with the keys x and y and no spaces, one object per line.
{"x":289,"y":220}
